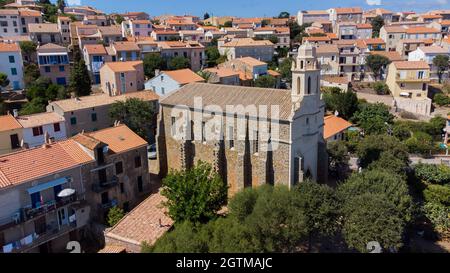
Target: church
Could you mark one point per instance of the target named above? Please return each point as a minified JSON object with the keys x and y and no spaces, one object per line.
{"x":260,"y":135}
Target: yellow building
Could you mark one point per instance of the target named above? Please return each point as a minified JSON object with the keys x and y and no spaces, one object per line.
{"x":408,"y":83}
{"x":10,"y":134}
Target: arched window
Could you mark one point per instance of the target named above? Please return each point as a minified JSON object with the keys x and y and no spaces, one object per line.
{"x":298,"y":85}
{"x":309,"y":85}
{"x":301,"y":65}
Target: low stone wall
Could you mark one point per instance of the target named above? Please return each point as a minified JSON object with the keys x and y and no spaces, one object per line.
{"x":421,"y":107}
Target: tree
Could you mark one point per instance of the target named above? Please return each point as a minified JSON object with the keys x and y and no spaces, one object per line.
{"x":79,"y":81}
{"x":265,"y":22}
{"x":178,"y":62}
{"x":36,"y":105}
{"x":205,"y":75}
{"x":373,"y":147}
{"x":338,"y":158}
{"x":273,"y":39}
{"x":284,"y":14}
{"x":372,"y":217}
{"x":377,"y":24}
{"x":212,"y":54}
{"x":228,"y":24}
{"x":431,"y":173}
{"x":5,"y":2}
{"x":373,"y":118}
{"x":266,"y":81}
{"x":135,"y":113}
{"x":320,"y":208}
{"x":30,"y":73}
{"x":4,"y":81}
{"x":28,"y":48}
{"x":61,"y":4}
{"x":376,"y":62}
{"x":151,"y":63}
{"x":420,"y":143}
{"x":439,"y":194}
{"x":441,"y":62}
{"x":345,"y":103}
{"x":195,"y":194}
{"x":50,"y":12}
{"x":285,"y":69}
{"x":115,"y":214}
{"x":206,"y":16}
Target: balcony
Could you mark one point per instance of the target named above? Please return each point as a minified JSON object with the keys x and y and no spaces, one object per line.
{"x":29,"y":213}
{"x":108,"y":204}
{"x":98,"y":187}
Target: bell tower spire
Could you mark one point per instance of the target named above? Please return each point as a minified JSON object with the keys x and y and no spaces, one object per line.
{"x":305,"y":73}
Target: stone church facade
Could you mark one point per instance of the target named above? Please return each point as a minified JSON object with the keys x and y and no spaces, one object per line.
{"x":284,"y":146}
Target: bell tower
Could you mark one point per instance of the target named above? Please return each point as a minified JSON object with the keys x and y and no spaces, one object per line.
{"x":305,"y":73}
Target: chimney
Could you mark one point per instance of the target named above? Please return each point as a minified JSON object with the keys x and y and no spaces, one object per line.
{"x":15,"y":113}
{"x":160,"y":223}
{"x":336,"y":113}
{"x":157,"y":72}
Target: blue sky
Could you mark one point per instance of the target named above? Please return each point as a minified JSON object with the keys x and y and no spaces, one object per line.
{"x":247,"y":8}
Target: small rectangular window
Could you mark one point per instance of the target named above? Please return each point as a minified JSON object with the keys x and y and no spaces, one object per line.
{"x":140,"y":184}
{"x":231,"y":137}
{"x":13,"y":71}
{"x":12,"y":59}
{"x":119,"y":167}
{"x":122,"y":188}
{"x":137,"y":162}
{"x":56,"y":127}
{"x":73,"y":120}
{"x":94,"y":116}
{"x":37,"y":131}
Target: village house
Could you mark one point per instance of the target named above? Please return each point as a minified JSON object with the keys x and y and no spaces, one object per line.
{"x":110,"y":34}
{"x":392,"y":35}
{"x":91,"y":113}
{"x":246,"y":156}
{"x":38,"y":126}
{"x":405,"y":46}
{"x":118,"y":78}
{"x":9,"y":22}
{"x":408,"y":83}
{"x":118,"y":174}
{"x":311,"y":16}
{"x":124,"y":51}
{"x":42,"y":198}
{"x":427,"y":54}
{"x":98,"y":20}
{"x":338,"y":15}
{"x":11,"y":64}
{"x":29,"y":16}
{"x":430,"y":18}
{"x":423,"y":33}
{"x":53,"y":63}
{"x":135,"y":15}
{"x":346,"y":30}
{"x":335,"y":128}
{"x":64,"y":27}
{"x":168,"y":81}
{"x":384,"y":13}
{"x":443,"y":25}
{"x":328,"y":56}
{"x":363,"y":31}
{"x":281,"y":33}
{"x":165,"y":35}
{"x":94,"y":57}
{"x":223,"y":75}
{"x":11,"y":134}
{"x":249,"y":69}
{"x":246,"y":47}
{"x":146,"y":45}
{"x":137,"y":28}
{"x":45,"y":33}
{"x":236,"y":32}
{"x":193,"y":51}
{"x":317,"y":40}
{"x":192,"y":35}
{"x":350,"y":60}
{"x":180,"y":24}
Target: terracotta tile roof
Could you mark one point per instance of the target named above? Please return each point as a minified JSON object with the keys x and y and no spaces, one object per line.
{"x":29,"y":13}
{"x":39,"y":119}
{"x":327,"y":49}
{"x":348,"y":10}
{"x":431,"y":16}
{"x":9,"y":47}
{"x":273,"y":73}
{"x":317,"y":39}
{"x":64,"y":18}
{"x":95,"y":49}
{"x":434,"y":50}
{"x":122,"y":66}
{"x":364,"y":26}
{"x":17,"y":38}
{"x":334,"y":125}
{"x":247,"y":42}
{"x":30,"y":164}
{"x":222,"y":72}
{"x":395,"y":29}
{"x":144,"y":22}
{"x":43,"y":28}
{"x":391,"y":55}
{"x":332,"y":36}
{"x":445,"y":22}
{"x":125,"y":46}
{"x":373,"y":41}
{"x":416,"y":41}
{"x":112,"y":249}
{"x":110,"y":30}
{"x":411,"y":65}
{"x":184,"y":76}
{"x":223,"y":95}
{"x":146,"y":222}
{"x":9,"y":12}
{"x":119,"y":139}
{"x":86,"y":141}
{"x":250,"y":61}
{"x":179,"y":44}
{"x":69,"y":105}
{"x":51,"y":46}
{"x":315,"y":12}
{"x":419,"y":30}
{"x":8,"y":122}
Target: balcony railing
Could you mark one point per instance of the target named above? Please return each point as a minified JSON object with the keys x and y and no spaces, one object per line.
{"x":109,"y":204}
{"x":102,"y":186}
{"x":30,"y":213}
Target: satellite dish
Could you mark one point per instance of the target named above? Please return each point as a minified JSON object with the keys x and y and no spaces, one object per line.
{"x":66,"y":192}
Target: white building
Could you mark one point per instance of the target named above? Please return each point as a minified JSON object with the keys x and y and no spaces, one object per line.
{"x":311,"y":16}
{"x":35,"y":126}
{"x":169,"y":81}
{"x":137,"y":28}
{"x":11,"y":64}
{"x":427,"y":54}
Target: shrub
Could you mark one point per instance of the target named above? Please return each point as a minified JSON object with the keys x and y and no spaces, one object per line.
{"x":381,"y":88}
{"x":434,"y":174}
{"x":439,"y":216}
{"x":407,"y":115}
{"x":114,"y":215}
{"x":420,"y":143}
{"x":441,"y":99}
{"x":437,"y":194}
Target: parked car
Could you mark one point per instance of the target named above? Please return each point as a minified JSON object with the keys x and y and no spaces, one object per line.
{"x":151,"y":151}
